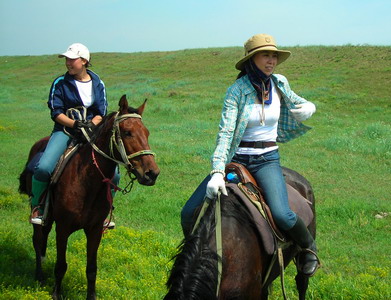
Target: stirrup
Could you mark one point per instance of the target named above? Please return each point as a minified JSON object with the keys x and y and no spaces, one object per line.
{"x":300,"y":266}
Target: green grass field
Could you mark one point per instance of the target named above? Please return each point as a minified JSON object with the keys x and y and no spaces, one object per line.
{"x":346,"y":157}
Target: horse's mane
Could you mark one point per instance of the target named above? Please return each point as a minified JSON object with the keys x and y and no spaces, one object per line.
{"x":194,"y":273}
{"x":108,"y":117}
{"x":132,"y":110}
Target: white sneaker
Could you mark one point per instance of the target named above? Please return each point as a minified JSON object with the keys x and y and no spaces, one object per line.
{"x":109,"y":225}
{"x":36,"y":217}
{"x":36,"y":220}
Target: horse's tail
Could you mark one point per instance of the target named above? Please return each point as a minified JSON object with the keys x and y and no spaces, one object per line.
{"x":194,"y":274}
{"x":23,"y":182}
{"x":25,"y":176}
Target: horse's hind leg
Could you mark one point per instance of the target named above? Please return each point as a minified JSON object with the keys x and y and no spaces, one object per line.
{"x":301,"y":284}
{"x":61,"y":264}
{"x":93,"y":240}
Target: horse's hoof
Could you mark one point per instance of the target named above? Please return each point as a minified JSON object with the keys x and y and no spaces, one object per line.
{"x":42,"y":282}
{"x":40,"y":278}
{"x":56,"y":294}
{"x":91,"y":297}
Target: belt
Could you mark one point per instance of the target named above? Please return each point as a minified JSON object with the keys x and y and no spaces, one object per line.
{"x":257,"y":144}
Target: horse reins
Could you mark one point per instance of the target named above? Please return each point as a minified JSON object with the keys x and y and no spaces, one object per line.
{"x":114,"y":140}
{"x":219,"y":247}
{"x":117,"y":141}
{"x":121,"y":149}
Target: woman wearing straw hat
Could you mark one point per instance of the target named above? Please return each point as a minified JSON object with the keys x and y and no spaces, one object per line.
{"x":78,"y":87}
{"x":259,"y":110}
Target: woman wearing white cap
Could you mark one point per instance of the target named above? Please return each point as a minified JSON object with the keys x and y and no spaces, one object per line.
{"x":78,"y":87}
{"x":259,"y":110}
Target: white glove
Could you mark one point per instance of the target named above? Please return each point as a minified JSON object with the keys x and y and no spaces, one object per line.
{"x":215,"y":184}
{"x":303,"y":111}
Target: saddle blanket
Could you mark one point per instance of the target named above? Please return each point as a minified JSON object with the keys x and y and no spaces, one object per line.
{"x":297,"y":203}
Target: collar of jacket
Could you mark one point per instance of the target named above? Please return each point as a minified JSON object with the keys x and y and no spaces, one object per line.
{"x":278,"y":83}
{"x":94,"y":77}
{"x":248,"y":89}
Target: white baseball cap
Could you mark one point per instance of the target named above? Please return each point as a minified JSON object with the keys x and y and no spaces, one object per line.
{"x":75,"y":51}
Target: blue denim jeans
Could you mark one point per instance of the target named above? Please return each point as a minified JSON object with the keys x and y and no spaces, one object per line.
{"x":195,"y":200}
{"x":58,"y":142}
{"x":56,"y":146}
{"x":267,"y":171}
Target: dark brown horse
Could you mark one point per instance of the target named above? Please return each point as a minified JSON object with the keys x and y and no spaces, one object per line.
{"x":79,"y":198}
{"x":245,"y":263}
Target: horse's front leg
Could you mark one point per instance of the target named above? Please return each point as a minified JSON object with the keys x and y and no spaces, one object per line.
{"x":40,"y":239}
{"x":301,"y":284}
{"x":61,"y":264}
{"x":45,"y":231}
{"x":94,"y":237}
{"x":38,"y":242}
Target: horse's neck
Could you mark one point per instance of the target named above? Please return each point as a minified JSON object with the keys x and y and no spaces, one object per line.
{"x":99,"y":162}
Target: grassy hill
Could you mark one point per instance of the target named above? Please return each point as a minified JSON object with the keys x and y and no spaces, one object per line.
{"x":346,"y":157}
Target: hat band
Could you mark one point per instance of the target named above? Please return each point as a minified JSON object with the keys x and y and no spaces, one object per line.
{"x":261,"y":47}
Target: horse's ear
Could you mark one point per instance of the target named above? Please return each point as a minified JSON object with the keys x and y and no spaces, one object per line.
{"x":140,"y":110}
{"x":123,"y":104}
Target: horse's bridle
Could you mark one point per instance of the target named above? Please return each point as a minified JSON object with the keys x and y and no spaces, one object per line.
{"x":116,"y":141}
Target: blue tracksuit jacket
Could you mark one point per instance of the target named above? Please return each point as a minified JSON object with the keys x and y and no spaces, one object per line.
{"x":64,"y":95}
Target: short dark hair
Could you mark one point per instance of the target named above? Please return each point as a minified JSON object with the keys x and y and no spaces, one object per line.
{"x":88,"y":64}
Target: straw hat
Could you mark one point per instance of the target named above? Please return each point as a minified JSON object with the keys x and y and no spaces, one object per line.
{"x":258,"y":43}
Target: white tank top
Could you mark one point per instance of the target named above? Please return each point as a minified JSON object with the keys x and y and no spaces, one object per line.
{"x":267,"y":132}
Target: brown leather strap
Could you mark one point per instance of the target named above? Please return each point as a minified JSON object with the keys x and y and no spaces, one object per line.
{"x":242,"y":172}
{"x":257,"y":144}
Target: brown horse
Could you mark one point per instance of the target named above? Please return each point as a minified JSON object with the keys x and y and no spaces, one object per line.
{"x":80,"y":196}
{"x":245,"y":263}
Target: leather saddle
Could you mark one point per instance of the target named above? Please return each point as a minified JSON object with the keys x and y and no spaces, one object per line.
{"x":252,"y":198}
{"x":62,"y":162}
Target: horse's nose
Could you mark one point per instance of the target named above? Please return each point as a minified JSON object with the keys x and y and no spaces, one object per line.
{"x":150,"y":177}
{"x":152,"y":174}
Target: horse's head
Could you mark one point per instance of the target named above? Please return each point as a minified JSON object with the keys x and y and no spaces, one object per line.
{"x":134,"y":136}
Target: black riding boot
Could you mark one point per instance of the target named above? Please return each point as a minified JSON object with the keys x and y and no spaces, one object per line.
{"x":308,"y":261}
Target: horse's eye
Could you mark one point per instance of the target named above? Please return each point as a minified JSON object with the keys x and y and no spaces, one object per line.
{"x":127,"y":133}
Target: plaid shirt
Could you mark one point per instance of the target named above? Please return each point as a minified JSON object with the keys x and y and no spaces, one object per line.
{"x":238,"y":103}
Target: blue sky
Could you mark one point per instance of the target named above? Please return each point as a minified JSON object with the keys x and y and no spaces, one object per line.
{"x":36,"y":27}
